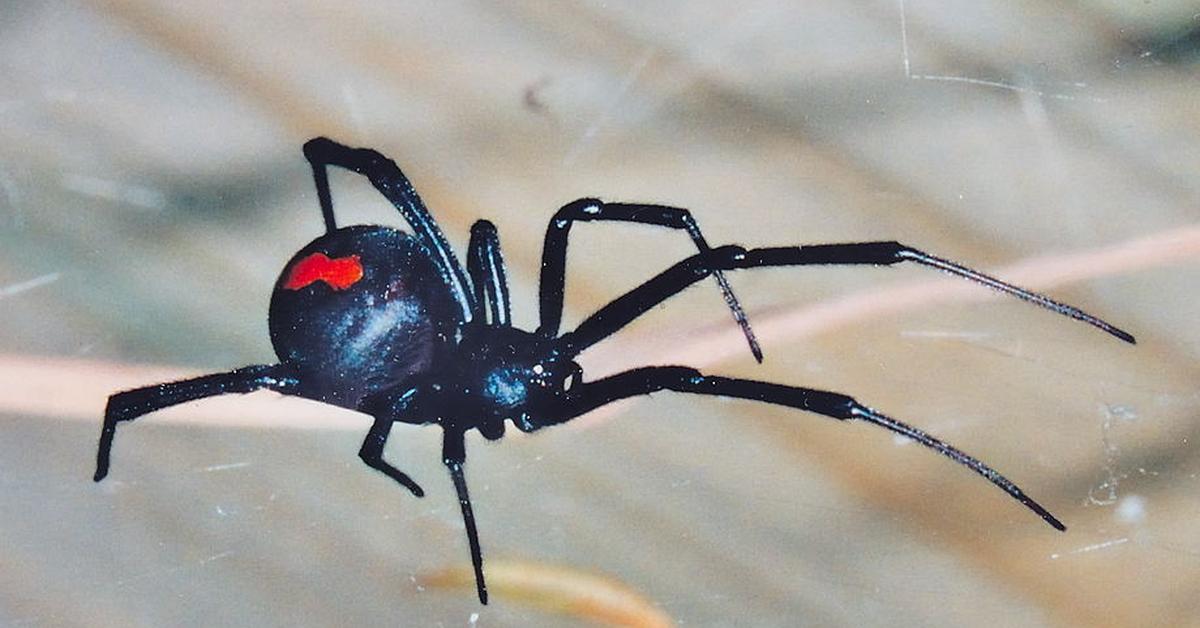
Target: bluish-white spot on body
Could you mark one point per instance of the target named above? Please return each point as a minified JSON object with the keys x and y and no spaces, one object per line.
{"x":505,"y":387}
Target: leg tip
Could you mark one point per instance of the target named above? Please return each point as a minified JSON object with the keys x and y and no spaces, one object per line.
{"x":1123,"y":335}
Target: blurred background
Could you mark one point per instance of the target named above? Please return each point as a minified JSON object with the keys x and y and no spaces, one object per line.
{"x":152,"y":187}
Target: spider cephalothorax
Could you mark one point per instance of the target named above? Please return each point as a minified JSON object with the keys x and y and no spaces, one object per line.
{"x":392,"y":325}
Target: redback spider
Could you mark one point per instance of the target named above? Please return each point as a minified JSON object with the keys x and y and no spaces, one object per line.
{"x":389,"y":324}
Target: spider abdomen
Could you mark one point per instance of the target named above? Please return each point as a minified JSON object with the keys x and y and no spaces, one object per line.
{"x":359,"y":309}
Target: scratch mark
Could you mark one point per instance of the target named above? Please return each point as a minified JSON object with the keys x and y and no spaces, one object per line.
{"x":1093,"y":547}
{"x":224,"y":554}
{"x":24,"y":286}
{"x":353,"y":107}
{"x":122,"y":583}
{"x":12,"y":198}
{"x":1113,"y":478}
{"x":955,"y":335}
{"x":627,"y":83}
{"x":96,"y":187}
{"x":908,"y":73}
{"x":983,"y":82}
{"x":88,"y":347}
{"x":225,"y":467}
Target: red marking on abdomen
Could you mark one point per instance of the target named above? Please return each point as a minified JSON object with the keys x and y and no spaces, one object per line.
{"x":340,"y":273}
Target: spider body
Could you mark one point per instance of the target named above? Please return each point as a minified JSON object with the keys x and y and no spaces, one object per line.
{"x":391,"y":324}
{"x":511,"y":375}
{"x":360,"y":309}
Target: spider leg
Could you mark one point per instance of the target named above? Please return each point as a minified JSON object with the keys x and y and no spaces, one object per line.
{"x":388,"y":406}
{"x":386,"y":176}
{"x":454,"y":455}
{"x":131,"y":404}
{"x":554,"y":255}
{"x":372,"y":454}
{"x":624,"y":309}
{"x":646,"y":380}
{"x":485,"y":265}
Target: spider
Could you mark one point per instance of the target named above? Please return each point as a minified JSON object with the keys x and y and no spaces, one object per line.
{"x":391,"y":325}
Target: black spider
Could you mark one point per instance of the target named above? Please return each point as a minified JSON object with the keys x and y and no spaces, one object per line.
{"x":389,"y":324}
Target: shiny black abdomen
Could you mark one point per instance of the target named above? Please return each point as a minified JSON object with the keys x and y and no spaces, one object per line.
{"x":360,"y":309}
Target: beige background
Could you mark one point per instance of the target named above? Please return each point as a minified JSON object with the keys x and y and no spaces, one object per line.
{"x":151,"y":187}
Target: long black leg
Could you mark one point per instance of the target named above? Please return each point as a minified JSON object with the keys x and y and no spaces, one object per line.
{"x":612,"y":317}
{"x":372,"y":454}
{"x":131,"y":404}
{"x":386,"y":176}
{"x":554,"y":255}
{"x":454,"y":455}
{"x":485,"y":265}
{"x":321,"y":179}
{"x":683,"y":379}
